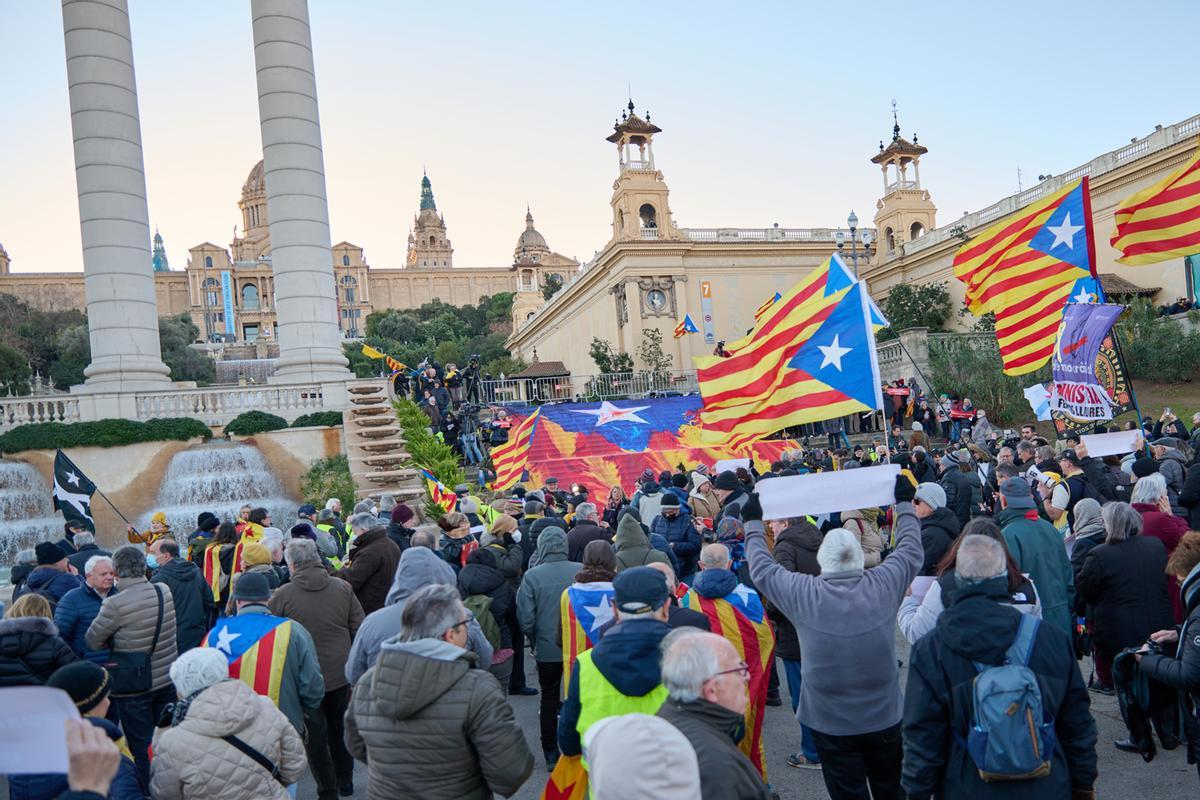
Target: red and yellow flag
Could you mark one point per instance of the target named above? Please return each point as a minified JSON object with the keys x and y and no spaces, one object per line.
{"x":256,"y":646}
{"x":584,"y":609}
{"x":568,"y":781}
{"x":1162,"y":221}
{"x":438,"y":492}
{"x":509,"y":459}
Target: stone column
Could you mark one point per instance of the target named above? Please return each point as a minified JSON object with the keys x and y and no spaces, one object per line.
{"x":297,"y":210}
{"x":113,"y":220}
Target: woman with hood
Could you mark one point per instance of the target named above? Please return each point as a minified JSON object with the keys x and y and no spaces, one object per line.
{"x":30,"y":647}
{"x":481,"y":585}
{"x":457,"y":542}
{"x":632,"y":546}
{"x":613,"y":506}
{"x":1087,"y":533}
{"x":703,"y":500}
{"x":862,"y":523}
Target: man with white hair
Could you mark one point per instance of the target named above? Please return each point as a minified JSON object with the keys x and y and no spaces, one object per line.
{"x":850,"y":687}
{"x":370,"y":562}
{"x":84,"y":542}
{"x":586,"y":530}
{"x":706,"y":683}
{"x":980,"y":629}
{"x":78,"y":607}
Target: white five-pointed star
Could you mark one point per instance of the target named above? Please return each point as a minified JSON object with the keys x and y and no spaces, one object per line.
{"x":1084,"y":296}
{"x":833,"y":354}
{"x":743,"y":591}
{"x":601,"y":613}
{"x":72,"y":478}
{"x":1064,"y":233}
{"x":607,"y":413}
{"x":225,"y":640}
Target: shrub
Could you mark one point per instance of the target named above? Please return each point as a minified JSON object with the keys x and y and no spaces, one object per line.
{"x":252,"y":422}
{"x":102,"y":433}
{"x":1157,"y":349}
{"x":328,"y":418}
{"x":977,"y":373}
{"x":428,"y":451}
{"x":329,"y":477}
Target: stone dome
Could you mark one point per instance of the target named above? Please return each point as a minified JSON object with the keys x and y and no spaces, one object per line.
{"x":255,"y":183}
{"x":530,"y":241}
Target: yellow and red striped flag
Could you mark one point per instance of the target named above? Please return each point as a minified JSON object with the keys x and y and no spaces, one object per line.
{"x":568,"y":781}
{"x":765,"y":307}
{"x":584,"y":609}
{"x":740,"y":618}
{"x":256,"y":646}
{"x":1162,"y":221}
{"x":438,"y":492}
{"x":1025,"y":267}
{"x":510,"y":459}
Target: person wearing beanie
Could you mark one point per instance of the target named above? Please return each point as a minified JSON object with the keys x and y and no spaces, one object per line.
{"x":159,"y":527}
{"x":195,"y":609}
{"x":674,"y":524}
{"x":1037,"y":548}
{"x":193,"y":759}
{"x":703,"y":500}
{"x":70,"y":528}
{"x":53,"y":577}
{"x":639,"y":757}
{"x":398,"y":529}
{"x":730,"y":493}
{"x":199,"y":539}
{"x":939,"y":525}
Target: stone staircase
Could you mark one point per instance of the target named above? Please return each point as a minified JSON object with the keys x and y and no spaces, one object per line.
{"x":375,"y":444}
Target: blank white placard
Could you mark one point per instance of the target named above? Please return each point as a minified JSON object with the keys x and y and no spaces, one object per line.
{"x":33,"y":735}
{"x":826,"y":492}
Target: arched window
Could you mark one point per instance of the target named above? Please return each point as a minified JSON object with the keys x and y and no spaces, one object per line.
{"x":345,"y":261}
{"x":250,"y":297}
{"x":648,"y":216}
{"x":349,"y":284}
{"x":432,"y":241}
{"x":529,"y":316}
{"x":890,"y":235}
{"x":208,"y":262}
{"x":916,"y":231}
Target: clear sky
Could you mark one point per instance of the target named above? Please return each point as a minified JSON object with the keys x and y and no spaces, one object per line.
{"x":769,"y":112}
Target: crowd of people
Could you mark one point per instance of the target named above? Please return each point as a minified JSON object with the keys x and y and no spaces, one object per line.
{"x":230,"y":660}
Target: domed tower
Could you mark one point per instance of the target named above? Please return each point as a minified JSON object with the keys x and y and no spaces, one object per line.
{"x":531,"y":245}
{"x":428,"y":245}
{"x":255,"y":241}
{"x":159,"y":260}
{"x":5,"y":261}
{"x":639,"y":201}
{"x":904,"y":212}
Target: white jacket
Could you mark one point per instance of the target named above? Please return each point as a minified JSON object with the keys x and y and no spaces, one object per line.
{"x":918,"y":618}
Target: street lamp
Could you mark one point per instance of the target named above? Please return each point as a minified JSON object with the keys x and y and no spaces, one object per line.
{"x":840,"y":238}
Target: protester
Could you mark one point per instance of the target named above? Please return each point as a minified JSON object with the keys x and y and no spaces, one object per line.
{"x":218,"y":563}
{"x":425,"y":723}
{"x":457,"y":542}
{"x":222,"y":737}
{"x":674,"y":524}
{"x":939,"y":525}
{"x":613,"y":505}
{"x":489,"y":597}
{"x":706,"y":683}
{"x":1085,"y":536}
{"x":585,"y":530}
{"x":980,"y":629}
{"x":703,"y":500}
{"x":1038,"y":551}
{"x":1150,"y":499}
{"x":730,"y":493}
{"x":397,"y":529}
{"x":53,"y":577}
{"x":159,"y":528}
{"x":84,"y":543}
{"x":632,"y":546}
{"x":956,"y":481}
{"x":138,"y":624}
{"x":862,"y":523}
{"x":30,"y":646}
{"x":640,"y":757}
{"x":78,"y":607}
{"x":1172,"y":465}
{"x":329,"y":610}
{"x":194,"y":608}
{"x":370,"y":562}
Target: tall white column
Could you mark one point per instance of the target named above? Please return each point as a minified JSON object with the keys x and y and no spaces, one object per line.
{"x":297,"y":209}
{"x":118,"y":279}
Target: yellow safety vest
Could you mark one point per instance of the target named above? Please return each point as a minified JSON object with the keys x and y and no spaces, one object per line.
{"x":599,"y":699}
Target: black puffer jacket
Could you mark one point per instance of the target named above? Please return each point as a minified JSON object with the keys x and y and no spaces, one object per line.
{"x":1189,"y":498}
{"x":796,"y":551}
{"x":30,"y":651}
{"x":1183,"y":671}
{"x":193,"y":601}
{"x":938,"y":530}
{"x":961,"y":492}
{"x":480,"y":576}
{"x":1125,"y":584}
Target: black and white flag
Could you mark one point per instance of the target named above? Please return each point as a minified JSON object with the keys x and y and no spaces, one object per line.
{"x":73,"y":491}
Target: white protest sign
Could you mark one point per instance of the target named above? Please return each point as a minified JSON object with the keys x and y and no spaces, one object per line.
{"x":1111,"y":444}
{"x":33,"y":734}
{"x":920,"y":586}
{"x":730,"y":464}
{"x":826,"y":492}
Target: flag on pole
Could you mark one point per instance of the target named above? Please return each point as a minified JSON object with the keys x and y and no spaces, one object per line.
{"x":73,"y":492}
{"x":371,"y":352}
{"x":509,"y":459}
{"x":438,"y":492}
{"x":775,"y":298}
{"x":1025,"y":267}
{"x":584,"y":609}
{"x":685,"y":326}
{"x":393,"y":364}
{"x":1162,"y":221}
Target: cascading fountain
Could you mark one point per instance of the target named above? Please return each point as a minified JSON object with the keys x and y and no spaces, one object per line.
{"x":218,"y":477}
{"x":27,"y":513}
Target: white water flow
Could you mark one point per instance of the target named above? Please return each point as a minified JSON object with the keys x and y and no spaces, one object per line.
{"x":219,"y":478}
{"x":27,"y":514}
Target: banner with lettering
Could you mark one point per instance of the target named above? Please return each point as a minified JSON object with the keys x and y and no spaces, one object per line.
{"x":1076,"y":393}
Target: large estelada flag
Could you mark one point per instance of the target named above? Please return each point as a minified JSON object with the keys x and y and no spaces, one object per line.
{"x":568,"y":781}
{"x":585,"y":609}
{"x":510,"y":459}
{"x":740,"y":618}
{"x":807,"y":363}
{"x":73,"y":492}
{"x":256,"y":646}
{"x":1162,"y":221}
{"x":1024,"y":268}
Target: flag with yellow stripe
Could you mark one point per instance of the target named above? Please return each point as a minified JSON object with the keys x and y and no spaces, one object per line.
{"x":256,"y":646}
{"x":1162,"y":221}
{"x":510,"y":459}
{"x":568,"y":781}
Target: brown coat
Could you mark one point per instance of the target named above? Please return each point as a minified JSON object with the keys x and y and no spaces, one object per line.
{"x":371,"y":567}
{"x":128,"y":617}
{"x":328,"y":610}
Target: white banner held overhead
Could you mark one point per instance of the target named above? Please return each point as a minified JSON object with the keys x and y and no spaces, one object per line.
{"x":826,"y":492}
{"x":1111,"y":444}
{"x":731,"y":464}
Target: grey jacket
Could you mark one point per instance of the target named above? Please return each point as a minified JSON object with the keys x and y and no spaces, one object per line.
{"x":540,"y":595}
{"x":419,"y":566}
{"x":127,"y":618}
{"x":429,"y":726}
{"x":1173,"y":467}
{"x":846,"y":625}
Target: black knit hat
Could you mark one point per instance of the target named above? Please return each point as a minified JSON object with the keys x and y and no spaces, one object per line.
{"x":670,"y":499}
{"x":1144,"y":466}
{"x":85,"y":682}
{"x":48,"y":553}
{"x":207,"y":521}
{"x":727,"y":481}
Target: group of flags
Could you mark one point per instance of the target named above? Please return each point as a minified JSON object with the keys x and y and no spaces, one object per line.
{"x":394,"y":365}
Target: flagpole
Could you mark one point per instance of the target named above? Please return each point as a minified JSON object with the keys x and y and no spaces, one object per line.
{"x":1132,"y":394}
{"x":114,"y":508}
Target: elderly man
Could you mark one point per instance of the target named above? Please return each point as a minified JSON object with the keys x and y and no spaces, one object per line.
{"x":84,"y":542}
{"x":844,"y":618}
{"x":706,"y":685}
{"x":980,"y":627}
{"x":370,"y":562}
{"x":138,"y":624}
{"x":194,"y":606}
{"x":939,"y":525}
{"x":1039,"y":552}
{"x":78,"y":607}
{"x":425,"y":723}
{"x":53,"y":577}
{"x":587,"y":529}
{"x":331,"y":613}
{"x":1172,"y":465}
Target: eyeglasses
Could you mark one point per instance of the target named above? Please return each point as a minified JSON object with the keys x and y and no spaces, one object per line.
{"x":742,"y":667}
{"x":466,"y":621}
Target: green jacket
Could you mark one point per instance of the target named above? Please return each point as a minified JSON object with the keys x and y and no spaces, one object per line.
{"x":1041,"y":554}
{"x":302,"y":687}
{"x":540,"y":595}
{"x":633,"y":547}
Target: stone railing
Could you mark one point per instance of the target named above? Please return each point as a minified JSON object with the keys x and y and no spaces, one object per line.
{"x":773,"y":234}
{"x":16,"y":411}
{"x":217,"y":406}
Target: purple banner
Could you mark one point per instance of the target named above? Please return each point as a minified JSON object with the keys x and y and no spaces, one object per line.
{"x":1080,"y":335}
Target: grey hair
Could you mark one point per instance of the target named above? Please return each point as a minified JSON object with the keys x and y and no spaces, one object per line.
{"x":26,"y":556}
{"x":534,"y":506}
{"x":362,"y":522}
{"x":362,"y":507}
{"x":129,"y":562}
{"x":430,"y":612}
{"x":586,"y":511}
{"x":326,"y":515}
{"x":332,"y":502}
{"x":980,"y":557}
{"x":1146,"y":490}
{"x":302,"y":553}
{"x":840,"y":551}
{"x":84,"y":538}
{"x":93,"y":562}
{"x":715,"y":556}
{"x":386,"y":503}
{"x":1026,"y":446}
{"x":690,"y":658}
{"x":425,"y":536}
{"x":1120,"y":521}
{"x":1046,"y":453}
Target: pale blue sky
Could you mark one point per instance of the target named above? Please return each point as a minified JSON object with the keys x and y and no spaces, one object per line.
{"x":769,"y":112}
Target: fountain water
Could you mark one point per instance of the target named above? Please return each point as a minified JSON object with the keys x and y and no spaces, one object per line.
{"x":219,"y":477}
{"x":26,"y":511}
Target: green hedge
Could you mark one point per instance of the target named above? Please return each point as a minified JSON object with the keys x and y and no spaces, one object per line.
{"x":103,"y":433}
{"x":428,"y":451}
{"x":329,"y":418}
{"x":252,"y":422}
{"x":329,"y":477}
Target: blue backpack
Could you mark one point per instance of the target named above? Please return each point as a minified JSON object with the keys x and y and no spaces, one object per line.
{"x":1011,"y":737}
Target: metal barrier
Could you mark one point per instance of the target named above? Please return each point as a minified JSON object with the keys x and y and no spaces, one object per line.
{"x":584,"y":388}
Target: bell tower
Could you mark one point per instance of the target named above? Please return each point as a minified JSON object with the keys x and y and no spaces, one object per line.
{"x":904,"y":212}
{"x":639,"y":201}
